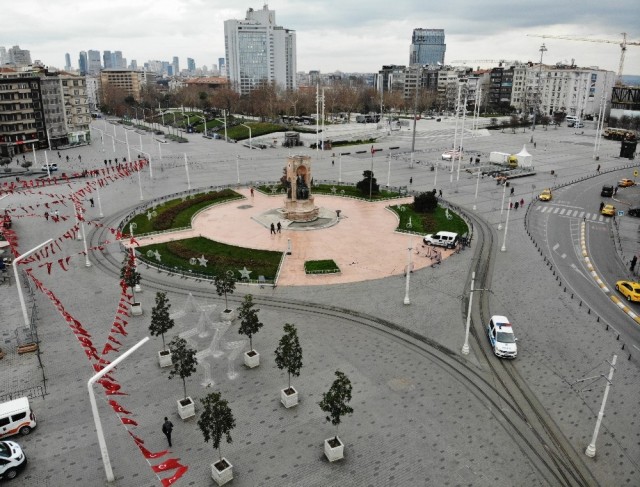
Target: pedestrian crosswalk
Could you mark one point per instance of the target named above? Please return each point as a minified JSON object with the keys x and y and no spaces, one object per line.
{"x":571,"y":212}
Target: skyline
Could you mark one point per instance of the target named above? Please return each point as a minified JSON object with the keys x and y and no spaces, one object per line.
{"x":161,"y":29}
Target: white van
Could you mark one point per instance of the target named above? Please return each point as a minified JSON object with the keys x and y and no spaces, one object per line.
{"x":16,"y":417}
{"x":443,"y":239}
{"x":572,"y":120}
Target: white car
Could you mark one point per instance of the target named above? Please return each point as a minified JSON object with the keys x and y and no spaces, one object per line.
{"x":451,"y":154}
{"x":50,"y":168}
{"x":12,"y":459}
{"x":501,"y":337}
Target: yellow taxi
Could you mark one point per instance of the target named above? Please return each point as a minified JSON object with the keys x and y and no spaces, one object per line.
{"x":625,"y":183}
{"x":545,"y":195}
{"x":629,"y":289}
{"x":608,"y":210}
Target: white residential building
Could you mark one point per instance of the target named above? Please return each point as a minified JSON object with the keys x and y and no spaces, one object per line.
{"x":258,"y":51}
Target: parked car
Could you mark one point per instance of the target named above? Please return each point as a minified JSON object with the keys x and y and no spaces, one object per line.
{"x":49,"y":168}
{"x":501,"y":337}
{"x":545,"y":195}
{"x":451,"y":154}
{"x":578,"y":125}
{"x":634,"y":211}
{"x":443,"y":239}
{"x":629,"y":289}
{"x":608,"y":210}
{"x":625,"y":183}
{"x":12,"y":459}
{"x":607,"y":191}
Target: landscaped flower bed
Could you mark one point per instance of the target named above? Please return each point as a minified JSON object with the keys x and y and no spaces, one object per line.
{"x":327,"y":266}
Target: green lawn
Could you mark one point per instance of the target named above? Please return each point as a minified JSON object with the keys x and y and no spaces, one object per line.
{"x":327,"y":266}
{"x":178,"y":213}
{"x":239,"y":132}
{"x":424,"y":223}
{"x":220,"y":257}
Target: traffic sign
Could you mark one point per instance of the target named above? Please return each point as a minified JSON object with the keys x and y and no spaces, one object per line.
{"x":620,"y":213}
{"x":635,"y":173}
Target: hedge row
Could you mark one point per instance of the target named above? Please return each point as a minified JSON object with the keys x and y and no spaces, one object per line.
{"x":164,"y":220}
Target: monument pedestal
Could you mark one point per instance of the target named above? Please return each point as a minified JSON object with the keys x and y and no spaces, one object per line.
{"x":300,"y":210}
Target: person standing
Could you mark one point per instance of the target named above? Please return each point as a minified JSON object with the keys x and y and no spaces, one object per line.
{"x":634,"y":261}
{"x":273,"y":229}
{"x":279,"y":227}
{"x":598,"y":168}
{"x":601,"y":205}
{"x":46,"y":215}
{"x":411,"y":180}
{"x":167,"y":428}
{"x":251,"y":189}
{"x":440,"y":193}
{"x":91,"y":201}
{"x":517,"y":205}
{"x":521,"y":202}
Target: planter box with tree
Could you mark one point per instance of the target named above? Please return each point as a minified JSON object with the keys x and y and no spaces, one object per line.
{"x":130,"y":277}
{"x":249,"y":326}
{"x":161,"y":323}
{"x":216,"y":421}
{"x":184,"y":364}
{"x":289,"y":358}
{"x":225,"y":284}
{"x":334,"y":403}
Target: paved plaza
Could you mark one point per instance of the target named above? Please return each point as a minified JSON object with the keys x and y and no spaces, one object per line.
{"x":416,"y":421}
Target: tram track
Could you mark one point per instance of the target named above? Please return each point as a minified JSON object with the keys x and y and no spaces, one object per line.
{"x":502,"y":389}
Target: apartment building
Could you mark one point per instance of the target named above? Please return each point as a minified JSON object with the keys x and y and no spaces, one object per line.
{"x":124,"y":82}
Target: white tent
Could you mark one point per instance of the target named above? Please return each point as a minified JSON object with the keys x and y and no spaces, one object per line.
{"x":524,"y":158}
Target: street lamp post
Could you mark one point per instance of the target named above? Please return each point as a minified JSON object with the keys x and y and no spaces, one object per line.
{"x":504,"y":191}
{"x":465,"y":347}
{"x":87,"y":263}
{"x":98,"y":192}
{"x":389,"y":170}
{"x":542,"y":49}
{"x":475,"y":201}
{"x":506,"y":226}
{"x":149,"y":158}
{"x":250,"y":143}
{"x":15,"y":263}
{"x":406,"y":284}
{"x":238,"y":168}
{"x":186,"y":168}
{"x":591,"y":449}
{"x":94,"y":407}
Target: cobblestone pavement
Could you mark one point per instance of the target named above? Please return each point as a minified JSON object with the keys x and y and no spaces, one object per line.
{"x":415,"y":422}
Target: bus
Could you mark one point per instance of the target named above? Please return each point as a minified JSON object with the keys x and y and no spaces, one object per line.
{"x":619,"y":134}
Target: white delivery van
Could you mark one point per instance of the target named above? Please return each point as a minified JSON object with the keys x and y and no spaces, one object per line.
{"x":16,"y":417}
{"x":443,"y":239}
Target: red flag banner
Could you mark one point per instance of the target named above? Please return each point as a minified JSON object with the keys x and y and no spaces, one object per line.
{"x":179,"y":473}
{"x":170,"y":464}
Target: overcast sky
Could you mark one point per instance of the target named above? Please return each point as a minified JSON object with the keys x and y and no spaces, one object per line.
{"x":332,"y":35}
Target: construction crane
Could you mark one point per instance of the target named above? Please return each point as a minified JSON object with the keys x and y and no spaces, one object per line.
{"x":623,"y":47}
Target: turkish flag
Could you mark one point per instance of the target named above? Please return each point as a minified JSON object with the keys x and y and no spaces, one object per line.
{"x":179,"y":473}
{"x":170,"y":464}
{"x":148,"y":454}
{"x":128,"y":421}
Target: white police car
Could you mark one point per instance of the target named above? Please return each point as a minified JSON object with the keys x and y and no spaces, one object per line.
{"x":501,"y":337}
{"x":12,"y":459}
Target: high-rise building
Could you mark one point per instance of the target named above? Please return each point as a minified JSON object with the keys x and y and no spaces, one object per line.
{"x":4,"y":58}
{"x":427,"y":47}
{"x":258,"y":51}
{"x":118,"y":61}
{"x":93,"y":62}
{"x":82,"y":63}
{"x":222,"y":67}
{"x":19,"y":57}
{"x":106,"y":60}
{"x":176,"y":66}
{"x":67,"y":62}
{"x":133,"y":65}
{"x":191,"y":65}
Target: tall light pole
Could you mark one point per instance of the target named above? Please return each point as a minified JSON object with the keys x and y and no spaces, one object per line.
{"x":465,"y":347}
{"x":542,"y":50}
{"x":186,"y":168}
{"x":455,"y":133}
{"x":16,"y":261}
{"x":591,"y":449}
{"x":250,"y":143}
{"x":98,"y":192}
{"x":506,"y":226}
{"x":238,"y":168}
{"x":94,"y":407}
{"x":475,"y":201}
{"x":406,"y":284}
{"x":504,"y":191}
{"x":150,"y":168}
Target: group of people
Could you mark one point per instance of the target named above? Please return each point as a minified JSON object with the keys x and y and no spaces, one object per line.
{"x":517,"y":204}
{"x":276,"y":229}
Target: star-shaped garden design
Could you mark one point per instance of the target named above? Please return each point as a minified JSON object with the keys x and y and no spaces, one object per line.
{"x":244,"y":272}
{"x":202,"y":261}
{"x":157,"y":255}
{"x":334,"y":189}
{"x":149,"y":215}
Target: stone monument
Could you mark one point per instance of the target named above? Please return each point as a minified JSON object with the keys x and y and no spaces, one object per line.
{"x":299,"y":204}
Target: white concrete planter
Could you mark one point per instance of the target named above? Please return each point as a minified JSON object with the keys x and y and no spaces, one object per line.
{"x":136,"y":309}
{"x":251,"y":361}
{"x":164,"y":358}
{"x":223,"y":476}
{"x":333,"y":453}
{"x":228,"y":314}
{"x":188,"y":410}
{"x":289,"y":400}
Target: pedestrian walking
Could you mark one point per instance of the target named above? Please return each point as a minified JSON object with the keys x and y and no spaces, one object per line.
{"x":615,"y":190}
{"x":511,"y":205}
{"x":56,"y":216}
{"x":116,"y":159}
{"x":67,"y":158}
{"x":79,"y":158}
{"x":46,"y":215}
{"x":105,"y":162}
{"x":601,"y":205}
{"x":273,"y":229}
{"x":440,"y":193}
{"x":59,"y":156}
{"x":634,"y":262}
{"x":333,"y":163}
{"x":522,"y":202}
{"x":516,"y":205}
{"x":410,"y":180}
{"x":598,"y":168}
{"x":251,"y":189}
{"x":91,"y":201}
{"x":279,"y":227}
{"x":512,"y":190}
{"x":167,"y":428}
{"x":109,"y":161}
{"x":535,"y":144}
